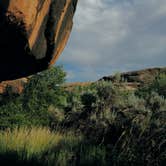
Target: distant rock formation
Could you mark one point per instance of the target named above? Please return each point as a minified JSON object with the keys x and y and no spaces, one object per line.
{"x":128,"y":80}
{"x":33,"y":34}
{"x":140,"y":76}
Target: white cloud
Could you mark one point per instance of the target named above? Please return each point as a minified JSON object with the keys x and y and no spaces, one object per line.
{"x":70,"y":75}
{"x":111,"y":35}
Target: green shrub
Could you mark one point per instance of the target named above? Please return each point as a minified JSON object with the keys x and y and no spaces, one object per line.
{"x":158,"y":86}
{"x":31,"y":107}
{"x":93,"y":155}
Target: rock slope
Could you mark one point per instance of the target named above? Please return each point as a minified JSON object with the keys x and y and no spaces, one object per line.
{"x":33,"y":34}
{"x":141,"y":76}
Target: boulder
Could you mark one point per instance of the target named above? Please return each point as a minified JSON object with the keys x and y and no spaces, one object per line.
{"x":33,"y":33}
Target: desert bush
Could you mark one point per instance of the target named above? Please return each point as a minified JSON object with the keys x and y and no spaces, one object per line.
{"x":93,"y":155}
{"x":158,"y":86}
{"x":130,"y":126}
{"x":56,"y":116}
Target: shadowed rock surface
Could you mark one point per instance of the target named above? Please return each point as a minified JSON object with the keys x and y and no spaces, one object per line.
{"x":33,"y":33}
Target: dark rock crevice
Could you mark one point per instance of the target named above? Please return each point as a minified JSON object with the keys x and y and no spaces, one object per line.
{"x":15,"y":56}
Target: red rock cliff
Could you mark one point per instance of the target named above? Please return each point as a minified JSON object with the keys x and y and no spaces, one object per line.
{"x":33,"y":34}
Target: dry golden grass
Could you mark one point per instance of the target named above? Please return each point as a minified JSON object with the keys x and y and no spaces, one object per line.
{"x":71,"y":86}
{"x":28,"y":142}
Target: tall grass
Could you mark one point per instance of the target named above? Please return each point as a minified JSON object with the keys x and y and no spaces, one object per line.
{"x":28,"y":143}
{"x":40,"y":146}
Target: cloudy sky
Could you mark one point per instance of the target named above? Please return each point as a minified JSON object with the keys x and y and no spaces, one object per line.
{"x":113,"y":36}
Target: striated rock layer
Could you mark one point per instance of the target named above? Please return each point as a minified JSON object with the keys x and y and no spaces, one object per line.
{"x":33,"y":33}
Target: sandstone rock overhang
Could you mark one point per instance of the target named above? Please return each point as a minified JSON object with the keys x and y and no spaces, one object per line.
{"x":33,"y":33}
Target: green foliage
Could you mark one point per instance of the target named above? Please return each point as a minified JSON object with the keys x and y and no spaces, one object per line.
{"x":44,"y":89}
{"x":130,"y":124}
{"x":158,"y":86}
{"x":31,"y":107}
{"x":110,"y":125}
{"x":117,"y":77}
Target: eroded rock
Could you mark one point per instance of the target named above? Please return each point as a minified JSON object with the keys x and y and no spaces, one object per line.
{"x":33,"y":33}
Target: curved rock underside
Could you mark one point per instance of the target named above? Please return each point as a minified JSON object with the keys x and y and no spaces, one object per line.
{"x":33,"y":33}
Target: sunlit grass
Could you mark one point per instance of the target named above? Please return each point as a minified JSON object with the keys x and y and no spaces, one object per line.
{"x":40,"y":146}
{"x":28,"y":143}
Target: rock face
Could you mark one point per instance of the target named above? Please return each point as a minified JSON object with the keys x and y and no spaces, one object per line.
{"x":33,"y":34}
